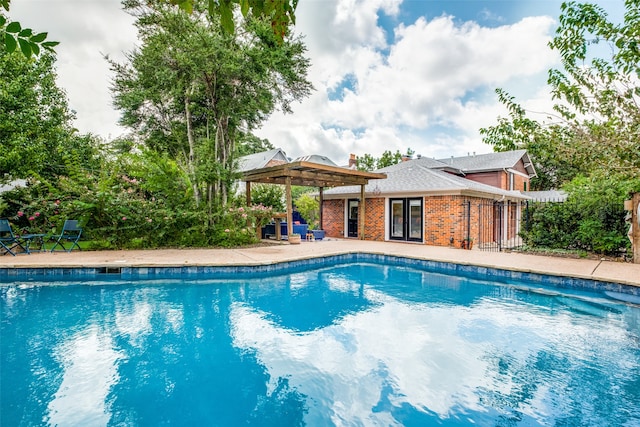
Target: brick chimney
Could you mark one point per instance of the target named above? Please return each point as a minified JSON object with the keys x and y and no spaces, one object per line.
{"x":405,"y":158}
{"x":352,"y":161}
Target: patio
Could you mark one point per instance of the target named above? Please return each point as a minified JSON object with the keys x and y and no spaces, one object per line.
{"x":609,"y":271}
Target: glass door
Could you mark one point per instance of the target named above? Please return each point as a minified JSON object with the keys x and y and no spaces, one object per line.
{"x":397,"y":219}
{"x":352,"y":220}
{"x":406,"y":219}
{"x":415,"y":219}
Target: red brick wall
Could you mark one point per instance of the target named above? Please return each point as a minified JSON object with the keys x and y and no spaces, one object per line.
{"x":374,"y":224}
{"x":333,"y":218}
{"x":444,"y":219}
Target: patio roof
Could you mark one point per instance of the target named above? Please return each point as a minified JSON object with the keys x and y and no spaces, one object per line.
{"x":310,"y":174}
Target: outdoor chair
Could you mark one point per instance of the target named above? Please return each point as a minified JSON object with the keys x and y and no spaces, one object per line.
{"x":71,"y":233}
{"x":9,"y":242}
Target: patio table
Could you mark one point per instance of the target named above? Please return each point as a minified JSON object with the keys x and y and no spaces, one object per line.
{"x":37,"y":239}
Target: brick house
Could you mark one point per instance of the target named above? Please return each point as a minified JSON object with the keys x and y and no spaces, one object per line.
{"x":443,"y":202}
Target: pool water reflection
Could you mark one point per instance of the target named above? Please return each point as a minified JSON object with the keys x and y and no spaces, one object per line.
{"x":357,"y":344}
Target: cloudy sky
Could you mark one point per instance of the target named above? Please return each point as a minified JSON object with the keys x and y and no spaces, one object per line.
{"x":388,"y":74}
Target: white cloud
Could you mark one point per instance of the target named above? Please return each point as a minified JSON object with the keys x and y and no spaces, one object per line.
{"x":86,"y":30}
{"x":426,"y":84}
{"x":429,"y":78}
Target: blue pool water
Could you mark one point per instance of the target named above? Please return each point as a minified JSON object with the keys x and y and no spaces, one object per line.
{"x":346,"y":345}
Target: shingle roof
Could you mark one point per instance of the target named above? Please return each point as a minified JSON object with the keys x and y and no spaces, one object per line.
{"x":421,"y":161}
{"x":414,"y":177}
{"x":316,"y":158}
{"x":260,"y":160}
{"x":487,"y":162}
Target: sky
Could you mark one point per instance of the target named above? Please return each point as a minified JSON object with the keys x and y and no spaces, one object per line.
{"x":388,"y":74}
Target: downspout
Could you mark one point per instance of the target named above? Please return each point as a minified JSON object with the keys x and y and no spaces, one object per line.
{"x":469,"y":222}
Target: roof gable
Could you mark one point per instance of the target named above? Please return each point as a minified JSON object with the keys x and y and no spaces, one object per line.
{"x":262,"y":159}
{"x":491,"y":162}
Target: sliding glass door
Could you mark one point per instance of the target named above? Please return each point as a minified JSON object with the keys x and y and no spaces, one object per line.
{"x":406,"y":219}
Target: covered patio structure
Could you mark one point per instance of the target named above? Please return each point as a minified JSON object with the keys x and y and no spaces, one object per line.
{"x":311,"y":174}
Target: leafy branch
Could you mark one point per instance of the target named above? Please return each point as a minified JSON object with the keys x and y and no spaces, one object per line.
{"x":281,"y":13}
{"x":14,"y":35}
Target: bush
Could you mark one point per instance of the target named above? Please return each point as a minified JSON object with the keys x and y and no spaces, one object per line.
{"x":592,"y":218}
{"x":309,"y":208}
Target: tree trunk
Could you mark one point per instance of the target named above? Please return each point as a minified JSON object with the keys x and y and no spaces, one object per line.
{"x":191,"y":158}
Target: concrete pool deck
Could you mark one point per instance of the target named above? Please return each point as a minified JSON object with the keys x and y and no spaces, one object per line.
{"x":607,"y":271}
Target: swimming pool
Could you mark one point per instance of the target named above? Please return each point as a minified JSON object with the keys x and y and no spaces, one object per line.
{"x":337,"y":344}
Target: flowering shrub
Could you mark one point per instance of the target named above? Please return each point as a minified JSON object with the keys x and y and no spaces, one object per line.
{"x":241,"y":225}
{"x":37,"y":216}
{"x":122,"y":206}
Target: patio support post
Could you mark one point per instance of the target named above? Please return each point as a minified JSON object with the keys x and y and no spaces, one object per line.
{"x":289,"y":206}
{"x":361,"y":213}
{"x":320,"y":204}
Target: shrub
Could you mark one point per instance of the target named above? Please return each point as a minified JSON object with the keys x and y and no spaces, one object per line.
{"x":592,"y":218}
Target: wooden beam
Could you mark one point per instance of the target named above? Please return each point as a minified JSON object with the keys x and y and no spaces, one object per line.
{"x":289,"y":207}
{"x":248,"y":192}
{"x":320,"y":205}
{"x":307,"y":179}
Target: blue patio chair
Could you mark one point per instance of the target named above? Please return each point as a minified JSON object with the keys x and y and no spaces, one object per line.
{"x":71,"y":233}
{"x":9,"y":242}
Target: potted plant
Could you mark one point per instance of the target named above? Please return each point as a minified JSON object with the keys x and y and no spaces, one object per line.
{"x":294,"y":239}
{"x":467,"y":243}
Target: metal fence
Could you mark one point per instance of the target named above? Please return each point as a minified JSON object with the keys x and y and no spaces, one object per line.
{"x":494,"y":226}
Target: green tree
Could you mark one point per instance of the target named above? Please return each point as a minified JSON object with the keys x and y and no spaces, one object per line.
{"x":556,"y":157}
{"x":309,"y":207}
{"x":280,"y":13}
{"x":591,"y":219}
{"x":388,"y":158}
{"x":596,"y":126}
{"x":193,"y":91}
{"x":590,"y":143}
{"x":251,"y":144}
{"x":35,"y":121}
{"x":366,"y":162}
{"x":270,"y":195}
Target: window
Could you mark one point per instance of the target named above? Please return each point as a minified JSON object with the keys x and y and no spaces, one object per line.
{"x":406,"y":219}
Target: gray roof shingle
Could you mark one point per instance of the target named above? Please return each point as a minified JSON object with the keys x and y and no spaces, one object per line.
{"x":260,"y":160}
{"x":416,"y":177}
{"x":486,"y":162}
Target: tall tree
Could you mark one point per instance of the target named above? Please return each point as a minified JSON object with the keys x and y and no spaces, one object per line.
{"x":35,"y":121}
{"x":596,"y":123}
{"x":193,"y":90}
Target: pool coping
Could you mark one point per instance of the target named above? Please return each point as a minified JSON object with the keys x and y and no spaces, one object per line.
{"x":538,"y":269}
